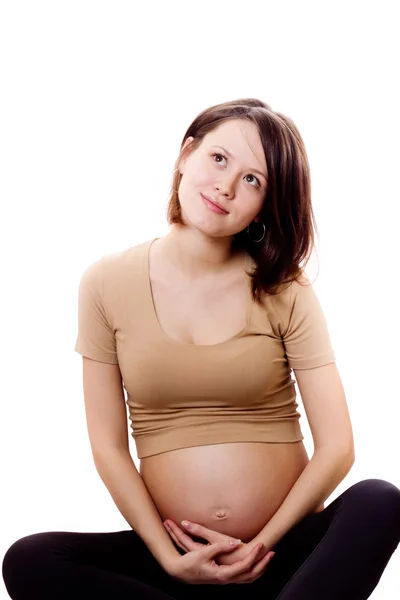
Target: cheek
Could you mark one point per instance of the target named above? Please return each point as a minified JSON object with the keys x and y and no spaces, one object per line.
{"x":204,"y":172}
{"x":203,"y":177}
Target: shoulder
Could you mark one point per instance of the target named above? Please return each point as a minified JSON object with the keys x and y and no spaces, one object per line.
{"x":286,"y":293}
{"x":293,"y":303}
{"x":104,"y":281}
{"x":115,"y":264}
{"x":108,"y":282}
{"x":124,"y":259}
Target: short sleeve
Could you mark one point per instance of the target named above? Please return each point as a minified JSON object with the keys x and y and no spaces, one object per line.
{"x":306,"y":340}
{"x":96,"y":338}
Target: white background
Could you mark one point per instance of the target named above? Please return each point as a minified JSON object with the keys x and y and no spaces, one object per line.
{"x":95,"y":99}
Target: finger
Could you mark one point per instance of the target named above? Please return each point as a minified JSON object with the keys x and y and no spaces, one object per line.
{"x":173,"y":536}
{"x":259,"y":567}
{"x":257,"y":570}
{"x":229,"y":573}
{"x":213,"y":549}
{"x":208,"y":534}
{"x":242,"y":567}
{"x":182,"y":536}
{"x":184,"y":541}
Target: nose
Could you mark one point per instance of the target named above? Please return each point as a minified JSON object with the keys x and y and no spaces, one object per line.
{"x":225,"y":187}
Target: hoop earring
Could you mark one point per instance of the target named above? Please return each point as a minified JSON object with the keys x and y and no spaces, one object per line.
{"x":248,"y":232}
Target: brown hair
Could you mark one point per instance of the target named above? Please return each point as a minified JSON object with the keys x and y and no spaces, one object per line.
{"x":287,"y":211}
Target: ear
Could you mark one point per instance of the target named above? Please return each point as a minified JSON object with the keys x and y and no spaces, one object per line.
{"x":188,"y":141}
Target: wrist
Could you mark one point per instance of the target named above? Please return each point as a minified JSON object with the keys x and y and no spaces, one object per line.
{"x":228,"y":558}
{"x":169,"y":563}
{"x":162,"y":548}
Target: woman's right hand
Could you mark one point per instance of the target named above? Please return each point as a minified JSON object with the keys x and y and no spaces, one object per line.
{"x":199,"y":566}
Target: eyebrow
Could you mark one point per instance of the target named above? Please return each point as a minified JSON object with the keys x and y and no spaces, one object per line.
{"x":231,"y":155}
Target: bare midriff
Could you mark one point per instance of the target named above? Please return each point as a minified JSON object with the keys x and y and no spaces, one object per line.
{"x":233,"y":488}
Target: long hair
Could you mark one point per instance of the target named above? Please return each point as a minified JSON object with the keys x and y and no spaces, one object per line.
{"x":286,"y":212}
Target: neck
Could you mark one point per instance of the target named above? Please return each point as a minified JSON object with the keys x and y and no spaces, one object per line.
{"x":196,"y":255}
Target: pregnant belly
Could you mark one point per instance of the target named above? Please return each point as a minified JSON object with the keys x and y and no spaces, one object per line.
{"x":231,"y":488}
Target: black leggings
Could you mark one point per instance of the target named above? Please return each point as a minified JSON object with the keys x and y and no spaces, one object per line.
{"x":340,"y":552}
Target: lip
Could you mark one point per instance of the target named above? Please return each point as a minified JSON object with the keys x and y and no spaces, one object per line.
{"x":214,"y":202}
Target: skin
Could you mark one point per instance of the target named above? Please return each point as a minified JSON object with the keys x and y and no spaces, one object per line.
{"x":202,"y":246}
{"x":181,"y":537}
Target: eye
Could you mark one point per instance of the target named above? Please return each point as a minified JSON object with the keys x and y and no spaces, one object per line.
{"x":223,"y":156}
{"x":218,"y":154}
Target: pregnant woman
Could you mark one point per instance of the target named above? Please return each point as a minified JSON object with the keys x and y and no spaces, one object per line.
{"x":202,"y":328}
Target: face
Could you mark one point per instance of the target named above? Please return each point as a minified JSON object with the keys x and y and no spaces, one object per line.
{"x":229,"y":167}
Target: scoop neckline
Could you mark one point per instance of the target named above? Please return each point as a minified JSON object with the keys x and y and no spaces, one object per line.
{"x":157,"y":323}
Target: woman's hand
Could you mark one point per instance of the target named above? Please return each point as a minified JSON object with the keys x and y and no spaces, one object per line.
{"x":198,"y":566}
{"x":188,"y":544}
{"x":230,"y":556}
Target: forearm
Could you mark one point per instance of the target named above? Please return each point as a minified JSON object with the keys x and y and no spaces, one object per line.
{"x":319,"y":479}
{"x":126,"y":486}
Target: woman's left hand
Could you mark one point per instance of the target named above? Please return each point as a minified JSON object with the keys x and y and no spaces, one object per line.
{"x":187,"y":544}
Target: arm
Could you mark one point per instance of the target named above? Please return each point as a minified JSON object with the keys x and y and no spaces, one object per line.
{"x":326,"y":408}
{"x":107,"y":428}
{"x":327,"y":468}
{"x":119,"y":474}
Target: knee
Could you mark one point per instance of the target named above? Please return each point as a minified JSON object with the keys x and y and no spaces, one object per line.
{"x":377,"y":495}
{"x":377,"y":488}
{"x":21,"y":558}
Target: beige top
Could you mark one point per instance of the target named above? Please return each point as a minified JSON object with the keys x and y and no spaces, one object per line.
{"x":182,"y":395}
